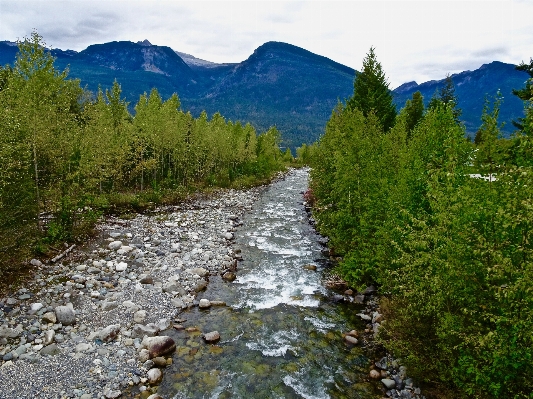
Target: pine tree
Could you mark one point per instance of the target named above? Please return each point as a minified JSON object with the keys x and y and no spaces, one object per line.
{"x":525,"y":93}
{"x":414,"y":110}
{"x":371,"y":92}
{"x":445,"y":96}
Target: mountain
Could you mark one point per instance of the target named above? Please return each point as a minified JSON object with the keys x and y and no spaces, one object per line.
{"x":279,"y":84}
{"x":471,"y":88}
{"x":284,"y":85}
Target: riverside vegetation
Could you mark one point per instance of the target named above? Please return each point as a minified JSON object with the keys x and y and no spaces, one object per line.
{"x":451,"y":253}
{"x":67,"y":156}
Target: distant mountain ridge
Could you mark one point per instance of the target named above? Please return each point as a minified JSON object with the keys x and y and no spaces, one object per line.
{"x":278,"y":84}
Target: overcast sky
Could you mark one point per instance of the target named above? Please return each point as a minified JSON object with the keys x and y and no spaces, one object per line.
{"x":414,"y":40}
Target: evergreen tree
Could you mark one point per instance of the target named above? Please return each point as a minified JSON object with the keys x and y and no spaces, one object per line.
{"x":526,"y":93}
{"x":445,"y":96}
{"x":414,"y":110}
{"x":371,"y":92}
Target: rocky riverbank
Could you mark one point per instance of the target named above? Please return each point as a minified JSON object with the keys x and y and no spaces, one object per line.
{"x":76,"y":330}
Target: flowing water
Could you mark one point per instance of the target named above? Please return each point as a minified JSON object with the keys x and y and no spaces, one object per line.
{"x":281,"y":334}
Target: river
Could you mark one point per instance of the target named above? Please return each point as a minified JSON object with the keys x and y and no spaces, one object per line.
{"x":281,"y":333}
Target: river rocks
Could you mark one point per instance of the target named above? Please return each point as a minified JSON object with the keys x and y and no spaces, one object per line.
{"x":65,"y":315}
{"x":112,"y":394}
{"x":389,"y":384}
{"x":351,"y":340}
{"x":49,"y":317}
{"x":204,"y":304}
{"x":160,"y":361}
{"x":154,"y":376}
{"x":200,"y":286}
{"x":211,"y":337}
{"x":229,"y":276}
{"x":139,"y":316}
{"x":48,"y":337}
{"x":158,"y":346}
{"x":140,"y":330}
{"x":155,"y":396}
{"x":310,"y":267}
{"x":375,"y":374}
{"x":200,"y":271}
{"x":109,"y":333}
{"x":114,"y":245}
{"x":36,"y":262}
{"x":121,"y":266}
{"x":50,"y":350}
{"x":146,"y":279}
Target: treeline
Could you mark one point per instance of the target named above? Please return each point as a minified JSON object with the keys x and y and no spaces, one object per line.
{"x":66,"y":155}
{"x":453,"y":254}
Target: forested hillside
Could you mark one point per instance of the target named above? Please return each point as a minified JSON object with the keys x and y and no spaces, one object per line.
{"x":452,"y":254}
{"x":278,"y":85}
{"x":66,"y":156}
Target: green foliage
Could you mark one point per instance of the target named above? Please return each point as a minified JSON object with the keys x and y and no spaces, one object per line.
{"x":446,"y":97}
{"x":414,"y":110}
{"x":452,"y":253}
{"x":65,"y":158}
{"x":525,"y":94}
{"x":371,"y":92}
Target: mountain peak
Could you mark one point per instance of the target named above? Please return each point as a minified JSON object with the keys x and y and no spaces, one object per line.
{"x":145,"y":42}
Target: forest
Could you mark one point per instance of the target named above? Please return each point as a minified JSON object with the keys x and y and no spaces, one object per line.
{"x":442,"y":225}
{"x":67,"y":156}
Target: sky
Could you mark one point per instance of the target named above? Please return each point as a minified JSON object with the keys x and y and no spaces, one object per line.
{"x":413,"y":40}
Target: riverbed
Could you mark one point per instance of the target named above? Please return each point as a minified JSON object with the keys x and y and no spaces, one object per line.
{"x":281,"y":333}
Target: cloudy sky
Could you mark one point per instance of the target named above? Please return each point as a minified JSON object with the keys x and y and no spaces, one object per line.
{"x":414,"y":40}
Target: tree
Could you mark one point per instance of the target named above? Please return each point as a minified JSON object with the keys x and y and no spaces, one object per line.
{"x":525,"y":93}
{"x":446,"y":97}
{"x":414,"y":110}
{"x":371,"y":92}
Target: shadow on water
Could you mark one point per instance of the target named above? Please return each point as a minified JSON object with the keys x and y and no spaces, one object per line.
{"x":281,"y":335}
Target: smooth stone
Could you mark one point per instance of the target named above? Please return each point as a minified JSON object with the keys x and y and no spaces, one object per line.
{"x":159,"y":361}
{"x":35,"y":307}
{"x":110,"y":394}
{"x":204,"y":304}
{"x":310,"y":267}
{"x":36,"y":262}
{"x":389,"y":384}
{"x":65,"y":315}
{"x":218,"y":303}
{"x":212,"y":336}
{"x":229,"y":276}
{"x":109,"y":305}
{"x":120,"y":267}
{"x":228,"y":236}
{"x":158,"y":346}
{"x":374,"y":374}
{"x":50,"y":350}
{"x":83,"y":347}
{"x":109,"y":333}
{"x":351,"y":340}
{"x":364,"y":316}
{"x":146,"y":280}
{"x":155,"y":396}
{"x":139,"y":316}
{"x":154,"y":376}
{"x":114,"y":245}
